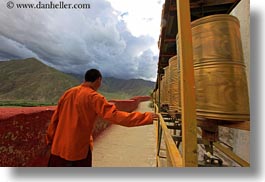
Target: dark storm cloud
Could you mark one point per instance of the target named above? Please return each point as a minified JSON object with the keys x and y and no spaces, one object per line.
{"x":75,"y":40}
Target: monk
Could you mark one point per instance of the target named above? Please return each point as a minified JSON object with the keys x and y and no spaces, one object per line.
{"x":70,"y":131}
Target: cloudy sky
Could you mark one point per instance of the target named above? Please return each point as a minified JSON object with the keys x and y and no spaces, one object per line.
{"x":119,"y":37}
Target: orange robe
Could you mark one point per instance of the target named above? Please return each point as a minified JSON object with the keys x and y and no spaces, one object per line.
{"x":71,"y":126}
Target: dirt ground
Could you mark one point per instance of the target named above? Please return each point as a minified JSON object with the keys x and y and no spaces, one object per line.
{"x":120,"y":146}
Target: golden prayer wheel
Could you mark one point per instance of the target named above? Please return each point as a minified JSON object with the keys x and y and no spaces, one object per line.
{"x":166,"y":85}
{"x":173,"y":84}
{"x":162,"y":91}
{"x":178,"y":75}
{"x":219,"y":69}
{"x":157,"y":95}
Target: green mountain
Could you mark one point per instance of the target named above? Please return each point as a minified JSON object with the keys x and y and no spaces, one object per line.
{"x":30,"y":80}
{"x":115,"y":88}
{"x":126,"y":88}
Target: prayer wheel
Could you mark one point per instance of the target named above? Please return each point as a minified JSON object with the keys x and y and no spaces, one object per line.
{"x":162,"y":91}
{"x":157,"y":95}
{"x":166,"y":85}
{"x":173,"y":84}
{"x":157,"y":99}
{"x":219,"y":69}
{"x":178,"y":75}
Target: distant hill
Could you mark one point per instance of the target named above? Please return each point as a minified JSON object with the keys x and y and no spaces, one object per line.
{"x":115,"y":88}
{"x":126,"y":88}
{"x":31,"y":80}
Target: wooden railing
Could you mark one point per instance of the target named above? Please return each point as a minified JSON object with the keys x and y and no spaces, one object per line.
{"x":174,"y":157}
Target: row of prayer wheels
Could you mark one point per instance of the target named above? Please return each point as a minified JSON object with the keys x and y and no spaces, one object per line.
{"x":221,"y":86}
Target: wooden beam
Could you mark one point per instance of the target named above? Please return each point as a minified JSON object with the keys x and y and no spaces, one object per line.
{"x":174,"y":154}
{"x":207,"y":3}
{"x":244,"y":125}
{"x":167,"y":55}
{"x":231,"y":155}
{"x":172,"y":8}
{"x":188,"y":105}
{"x":170,"y":40}
{"x":241,"y":125}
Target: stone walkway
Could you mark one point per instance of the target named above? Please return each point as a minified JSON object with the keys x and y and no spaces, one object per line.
{"x":121,"y":146}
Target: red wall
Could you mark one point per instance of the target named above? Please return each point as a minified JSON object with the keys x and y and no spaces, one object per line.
{"x":22,"y":132}
{"x":131,"y":104}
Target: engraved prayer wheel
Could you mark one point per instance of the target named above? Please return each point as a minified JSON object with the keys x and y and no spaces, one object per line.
{"x":219,"y":69}
{"x":157,"y":95}
{"x":162,"y":91}
{"x":178,"y":75}
{"x":166,"y":86}
{"x":173,"y":84}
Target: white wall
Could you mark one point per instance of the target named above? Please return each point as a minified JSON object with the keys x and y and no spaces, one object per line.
{"x":242,"y":12}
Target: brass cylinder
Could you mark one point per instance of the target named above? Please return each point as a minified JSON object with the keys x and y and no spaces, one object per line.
{"x":166,"y":86}
{"x":173,"y":84}
{"x":156,"y":96}
{"x":219,"y":69}
{"x":162,"y":91}
{"x":178,"y":74}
